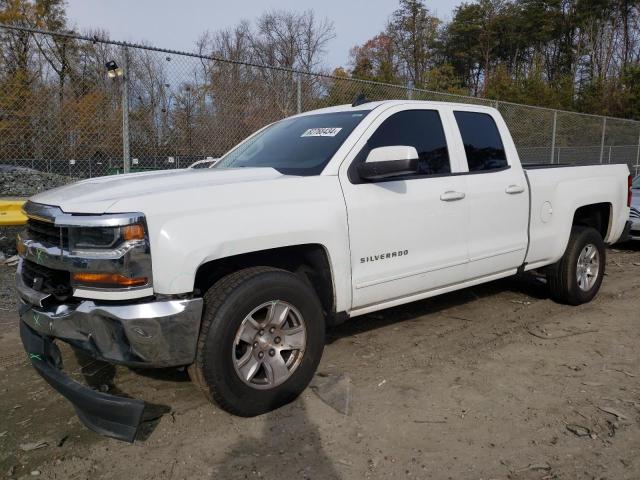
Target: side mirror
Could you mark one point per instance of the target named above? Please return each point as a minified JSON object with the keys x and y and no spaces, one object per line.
{"x":386,"y":162}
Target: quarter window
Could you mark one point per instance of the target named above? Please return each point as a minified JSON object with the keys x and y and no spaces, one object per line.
{"x":421,"y":129}
{"x":482,"y":141}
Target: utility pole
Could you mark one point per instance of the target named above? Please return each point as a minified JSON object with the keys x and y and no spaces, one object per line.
{"x":604,"y":132}
{"x":298,"y":93}
{"x":126,"y":155}
{"x":553,"y":135}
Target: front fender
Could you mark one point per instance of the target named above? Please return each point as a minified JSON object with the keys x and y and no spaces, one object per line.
{"x":311,"y":213}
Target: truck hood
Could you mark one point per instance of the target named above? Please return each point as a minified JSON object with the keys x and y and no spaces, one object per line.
{"x":98,"y":195}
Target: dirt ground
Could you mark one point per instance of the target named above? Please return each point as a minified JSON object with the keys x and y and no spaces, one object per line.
{"x":492,"y":382}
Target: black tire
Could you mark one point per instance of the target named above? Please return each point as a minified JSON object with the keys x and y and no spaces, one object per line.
{"x":226,"y":304}
{"x":562,"y":277}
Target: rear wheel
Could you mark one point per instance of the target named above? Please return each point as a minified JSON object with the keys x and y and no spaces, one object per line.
{"x":577,"y":277}
{"x":261,"y":340}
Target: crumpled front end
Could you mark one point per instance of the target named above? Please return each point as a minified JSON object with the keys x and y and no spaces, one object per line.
{"x":151,"y":333}
{"x":147,"y":334}
{"x":109,"y":415}
{"x":117,"y":323}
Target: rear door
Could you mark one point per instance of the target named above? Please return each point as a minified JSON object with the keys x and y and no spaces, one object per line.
{"x":497,"y":192}
{"x":407,"y":234}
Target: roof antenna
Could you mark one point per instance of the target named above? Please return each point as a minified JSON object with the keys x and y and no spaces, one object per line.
{"x":359,"y":100}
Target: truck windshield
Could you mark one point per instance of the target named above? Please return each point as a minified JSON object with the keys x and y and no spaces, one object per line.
{"x":636,"y":182}
{"x":295,"y":146}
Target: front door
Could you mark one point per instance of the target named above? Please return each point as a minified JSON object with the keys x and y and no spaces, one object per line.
{"x":407,"y":235}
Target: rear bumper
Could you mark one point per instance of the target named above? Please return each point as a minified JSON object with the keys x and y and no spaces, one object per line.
{"x":109,"y":415}
{"x":158,"y":333}
{"x":634,"y":230}
{"x":634,"y":220}
{"x":626,"y":235}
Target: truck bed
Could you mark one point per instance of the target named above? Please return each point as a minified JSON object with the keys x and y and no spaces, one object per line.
{"x":556,"y":195}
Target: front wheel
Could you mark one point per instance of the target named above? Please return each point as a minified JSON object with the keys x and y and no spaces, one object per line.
{"x":261,"y":340}
{"x":577,"y":276}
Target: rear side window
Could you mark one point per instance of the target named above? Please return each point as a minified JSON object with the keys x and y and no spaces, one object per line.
{"x":421,"y":129}
{"x":482,"y":141}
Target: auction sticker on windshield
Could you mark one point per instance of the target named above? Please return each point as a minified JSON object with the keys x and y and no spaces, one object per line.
{"x":322,"y":132}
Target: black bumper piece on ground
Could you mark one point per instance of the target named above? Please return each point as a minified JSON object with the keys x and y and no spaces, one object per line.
{"x":109,"y":415}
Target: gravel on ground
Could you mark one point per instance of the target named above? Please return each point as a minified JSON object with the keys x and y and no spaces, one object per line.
{"x":495,"y":381}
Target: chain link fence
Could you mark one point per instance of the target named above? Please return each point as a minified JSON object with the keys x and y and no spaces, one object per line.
{"x":62,"y":112}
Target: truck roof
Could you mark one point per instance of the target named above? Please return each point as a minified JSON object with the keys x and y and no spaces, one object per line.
{"x":375,"y":104}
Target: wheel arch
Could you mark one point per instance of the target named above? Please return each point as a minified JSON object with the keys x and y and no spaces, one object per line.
{"x":310,"y":261}
{"x":595,"y":215}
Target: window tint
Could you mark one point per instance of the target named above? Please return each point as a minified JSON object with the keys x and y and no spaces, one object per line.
{"x":421,"y":129}
{"x":482,"y":141}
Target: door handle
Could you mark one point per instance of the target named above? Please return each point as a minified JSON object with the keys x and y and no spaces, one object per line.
{"x":451,"y":196}
{"x":513,"y":189}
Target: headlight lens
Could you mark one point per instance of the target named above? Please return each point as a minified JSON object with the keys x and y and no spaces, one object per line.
{"x":94,"y":237}
{"x":128,"y":242}
{"x":132,"y":232}
{"x":104,"y":237}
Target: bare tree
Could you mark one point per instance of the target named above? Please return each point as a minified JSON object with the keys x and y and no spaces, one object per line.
{"x":291,"y":39}
{"x":414,"y":31}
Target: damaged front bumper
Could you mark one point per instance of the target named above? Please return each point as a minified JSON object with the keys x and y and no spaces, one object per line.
{"x":109,"y":415}
{"x":157,"y":333}
{"x":151,"y":333}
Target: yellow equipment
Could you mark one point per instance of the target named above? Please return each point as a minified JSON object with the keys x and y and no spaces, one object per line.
{"x":11,"y":213}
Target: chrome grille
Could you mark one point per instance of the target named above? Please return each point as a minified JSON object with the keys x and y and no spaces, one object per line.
{"x":635,"y":213}
{"x":47,"y":233}
{"x":47,"y":280}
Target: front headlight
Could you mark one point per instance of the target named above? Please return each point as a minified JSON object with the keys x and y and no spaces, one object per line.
{"x":90,"y":238}
{"x":116,"y":257}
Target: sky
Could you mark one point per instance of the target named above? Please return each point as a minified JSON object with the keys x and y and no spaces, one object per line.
{"x":178,"y":24}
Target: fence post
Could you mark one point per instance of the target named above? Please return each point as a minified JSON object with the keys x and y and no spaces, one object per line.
{"x":299,"y":92}
{"x":604,"y":130}
{"x":553,"y":135}
{"x":638,"y":155}
{"x":409,"y":89}
{"x":126,"y":157}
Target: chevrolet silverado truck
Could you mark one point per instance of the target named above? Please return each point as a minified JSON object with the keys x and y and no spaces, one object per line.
{"x":235,"y":271}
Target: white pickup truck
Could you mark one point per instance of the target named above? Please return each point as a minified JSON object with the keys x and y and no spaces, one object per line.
{"x":236,"y":270}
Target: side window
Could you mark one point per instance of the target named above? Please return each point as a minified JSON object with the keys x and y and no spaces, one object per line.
{"x":421,"y":129}
{"x":482,"y":141}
